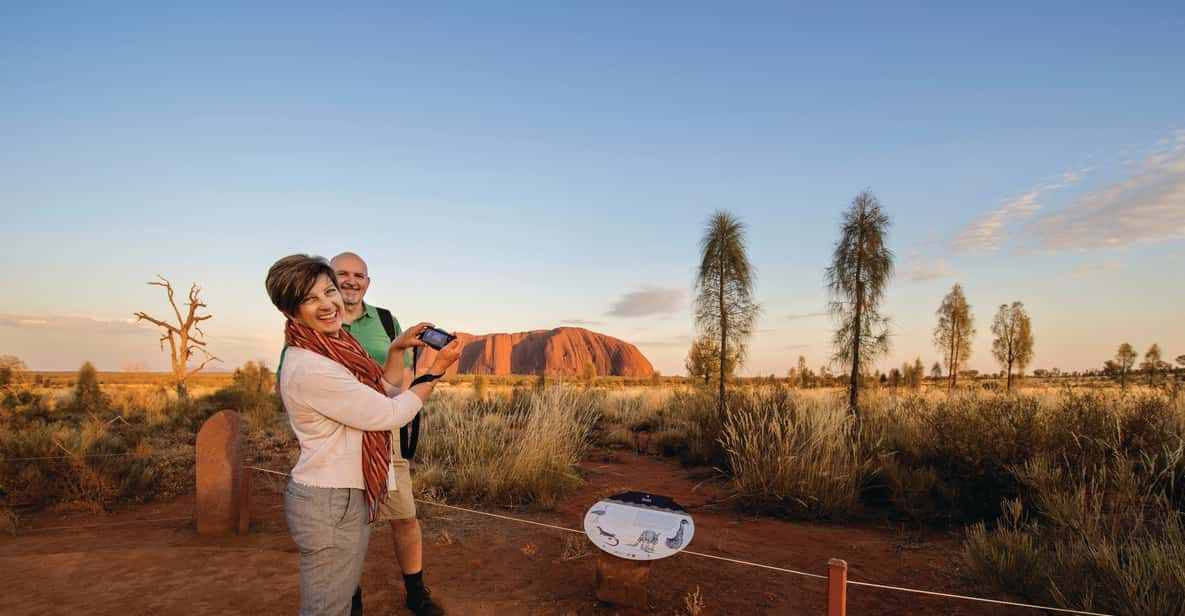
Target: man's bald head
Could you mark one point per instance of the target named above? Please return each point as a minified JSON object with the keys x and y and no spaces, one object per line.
{"x":352,"y":277}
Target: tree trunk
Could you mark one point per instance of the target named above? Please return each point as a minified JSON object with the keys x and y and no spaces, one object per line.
{"x":1009,"y":375}
{"x":950,"y":363}
{"x":854,"y":386}
{"x":723,"y":340}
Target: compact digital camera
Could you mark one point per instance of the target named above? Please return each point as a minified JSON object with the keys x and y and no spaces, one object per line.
{"x":436,"y":338}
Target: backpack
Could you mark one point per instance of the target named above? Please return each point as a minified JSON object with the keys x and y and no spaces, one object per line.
{"x":409,"y":435}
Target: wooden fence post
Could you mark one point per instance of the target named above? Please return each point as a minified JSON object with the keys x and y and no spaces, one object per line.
{"x":837,"y":587}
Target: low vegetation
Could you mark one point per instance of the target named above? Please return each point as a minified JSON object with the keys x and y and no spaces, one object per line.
{"x":1070,"y":496}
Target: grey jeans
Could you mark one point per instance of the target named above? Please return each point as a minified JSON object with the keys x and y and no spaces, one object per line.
{"x":329,"y":525}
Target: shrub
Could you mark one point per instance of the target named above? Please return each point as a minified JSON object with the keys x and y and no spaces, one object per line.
{"x":88,"y":397}
{"x":1102,"y":517}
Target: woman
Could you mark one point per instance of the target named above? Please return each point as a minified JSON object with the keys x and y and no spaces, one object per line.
{"x":342,"y":407}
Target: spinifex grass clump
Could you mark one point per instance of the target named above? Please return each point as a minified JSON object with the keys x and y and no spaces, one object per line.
{"x":518,"y":450}
{"x":1098,"y":523}
{"x":946,"y":459}
{"x":794,"y":456}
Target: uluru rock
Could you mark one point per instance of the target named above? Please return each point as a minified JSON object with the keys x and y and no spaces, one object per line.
{"x":553,"y":352}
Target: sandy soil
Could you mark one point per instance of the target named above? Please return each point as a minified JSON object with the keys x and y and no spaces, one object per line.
{"x":68,"y":564}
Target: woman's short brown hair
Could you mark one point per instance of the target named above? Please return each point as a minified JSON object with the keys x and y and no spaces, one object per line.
{"x":290,"y":278}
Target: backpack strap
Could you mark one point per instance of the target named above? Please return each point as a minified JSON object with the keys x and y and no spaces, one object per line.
{"x":388,"y":321}
{"x":409,"y":435}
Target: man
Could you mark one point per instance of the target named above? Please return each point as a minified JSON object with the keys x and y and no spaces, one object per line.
{"x":375,"y":328}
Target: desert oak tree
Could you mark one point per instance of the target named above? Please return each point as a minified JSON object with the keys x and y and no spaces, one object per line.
{"x":724,"y":308}
{"x":1013,"y":343}
{"x":953,"y":334}
{"x":861,"y":266}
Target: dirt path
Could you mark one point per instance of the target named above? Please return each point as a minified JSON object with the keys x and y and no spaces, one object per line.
{"x":134,"y":565}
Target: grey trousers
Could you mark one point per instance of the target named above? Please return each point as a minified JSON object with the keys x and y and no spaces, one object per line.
{"x":329,"y":525}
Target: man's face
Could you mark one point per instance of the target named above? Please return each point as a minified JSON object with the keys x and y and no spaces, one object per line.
{"x":352,"y":278}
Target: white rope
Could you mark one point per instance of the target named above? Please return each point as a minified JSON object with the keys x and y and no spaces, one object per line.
{"x":996,"y":601}
{"x":129,"y":522}
{"x":88,"y":455}
{"x":750,"y":563}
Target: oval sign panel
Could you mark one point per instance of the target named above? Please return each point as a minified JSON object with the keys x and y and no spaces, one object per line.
{"x":638,"y":526}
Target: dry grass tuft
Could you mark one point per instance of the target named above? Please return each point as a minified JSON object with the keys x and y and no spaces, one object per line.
{"x":507,"y":450}
{"x":693,"y":603}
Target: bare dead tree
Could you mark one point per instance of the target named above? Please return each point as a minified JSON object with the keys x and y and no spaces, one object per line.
{"x":185,"y":338}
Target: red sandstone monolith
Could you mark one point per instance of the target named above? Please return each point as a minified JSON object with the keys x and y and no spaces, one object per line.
{"x":622,"y":582}
{"x":221,"y":502}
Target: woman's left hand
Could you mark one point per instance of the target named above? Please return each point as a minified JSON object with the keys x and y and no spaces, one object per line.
{"x":409,"y":337}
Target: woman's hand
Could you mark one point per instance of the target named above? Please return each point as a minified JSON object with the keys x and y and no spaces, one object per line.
{"x":446,"y":357}
{"x":409,"y":338}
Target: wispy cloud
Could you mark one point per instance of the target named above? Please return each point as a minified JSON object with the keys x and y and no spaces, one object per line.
{"x":1098,"y":268}
{"x":673,"y":341}
{"x":1146,"y":207}
{"x":70,"y":321}
{"x":650,"y":301}
{"x":989,"y":233}
{"x":582,"y":322}
{"x":921,"y":269}
{"x":805,"y":315}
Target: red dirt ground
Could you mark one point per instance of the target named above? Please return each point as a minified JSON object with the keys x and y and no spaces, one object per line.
{"x":68,"y":564}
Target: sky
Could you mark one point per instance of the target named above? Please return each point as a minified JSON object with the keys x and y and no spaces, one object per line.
{"x":527,"y":166}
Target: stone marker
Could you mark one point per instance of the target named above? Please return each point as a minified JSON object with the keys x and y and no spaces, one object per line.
{"x":623,"y":582}
{"x":222,"y":506}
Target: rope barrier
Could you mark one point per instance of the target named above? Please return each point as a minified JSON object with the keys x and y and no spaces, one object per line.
{"x":110,"y":524}
{"x":746,"y":562}
{"x":996,"y":601}
{"x":88,"y":455}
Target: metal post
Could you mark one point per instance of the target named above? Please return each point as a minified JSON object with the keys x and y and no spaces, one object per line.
{"x":837,"y":587}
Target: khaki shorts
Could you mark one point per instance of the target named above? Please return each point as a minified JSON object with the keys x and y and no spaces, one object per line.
{"x":401,"y":503}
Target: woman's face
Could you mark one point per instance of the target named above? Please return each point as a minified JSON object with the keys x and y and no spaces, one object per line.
{"x":321,"y":308}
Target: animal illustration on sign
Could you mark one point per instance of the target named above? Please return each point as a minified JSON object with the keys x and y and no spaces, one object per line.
{"x":610,"y":538}
{"x":677,"y":541}
{"x":661,"y":526}
{"x":646,"y":541}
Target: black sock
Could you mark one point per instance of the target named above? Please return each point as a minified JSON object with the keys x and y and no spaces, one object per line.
{"x":414,"y":582}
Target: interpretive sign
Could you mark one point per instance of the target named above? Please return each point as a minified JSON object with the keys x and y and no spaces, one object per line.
{"x":639,"y":526}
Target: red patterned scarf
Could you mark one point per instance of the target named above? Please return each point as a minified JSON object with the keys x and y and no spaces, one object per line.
{"x":347,"y":351}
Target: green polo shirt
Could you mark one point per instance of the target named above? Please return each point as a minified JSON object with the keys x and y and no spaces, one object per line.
{"x":368,"y":329}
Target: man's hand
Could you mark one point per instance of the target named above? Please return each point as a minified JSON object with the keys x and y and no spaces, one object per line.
{"x":409,"y":338}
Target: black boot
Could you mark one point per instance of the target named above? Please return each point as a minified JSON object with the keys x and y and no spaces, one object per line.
{"x":419,"y":598}
{"x":356,"y":602}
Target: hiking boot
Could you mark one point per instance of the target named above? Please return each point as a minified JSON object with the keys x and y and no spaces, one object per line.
{"x":421,"y":604}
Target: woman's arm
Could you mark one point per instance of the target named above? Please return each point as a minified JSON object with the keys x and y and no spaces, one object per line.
{"x":330,"y":389}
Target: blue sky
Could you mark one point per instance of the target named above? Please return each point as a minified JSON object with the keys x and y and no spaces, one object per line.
{"x":515,"y":167}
